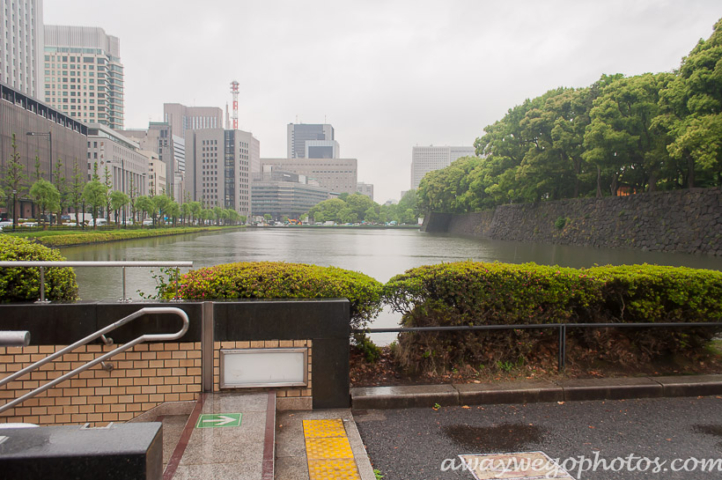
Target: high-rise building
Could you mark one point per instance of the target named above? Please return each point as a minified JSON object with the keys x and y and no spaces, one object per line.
{"x":84,"y":75}
{"x":183,"y":118}
{"x":337,"y":175}
{"x":428,"y":159}
{"x":21,"y":46}
{"x":159,"y":138}
{"x":219,"y":163}
{"x":311,"y":141}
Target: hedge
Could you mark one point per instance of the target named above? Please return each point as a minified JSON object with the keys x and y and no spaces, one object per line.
{"x":282,"y":280}
{"x":18,"y":284}
{"x":64,"y":240}
{"x":471,"y":293}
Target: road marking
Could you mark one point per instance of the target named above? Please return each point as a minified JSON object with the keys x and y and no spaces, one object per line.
{"x":214,"y":420}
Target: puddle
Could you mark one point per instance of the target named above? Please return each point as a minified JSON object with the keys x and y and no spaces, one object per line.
{"x":507,"y":437}
{"x":714,"y":430}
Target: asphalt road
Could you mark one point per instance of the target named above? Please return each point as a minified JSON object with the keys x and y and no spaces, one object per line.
{"x":661,"y":435}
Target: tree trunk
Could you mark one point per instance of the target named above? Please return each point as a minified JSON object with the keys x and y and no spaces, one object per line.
{"x":690,"y":171}
{"x":599,"y":182}
{"x":615,"y":185}
{"x":652,"y":182}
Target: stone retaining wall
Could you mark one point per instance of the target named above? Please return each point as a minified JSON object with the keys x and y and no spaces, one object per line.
{"x":685,"y":221}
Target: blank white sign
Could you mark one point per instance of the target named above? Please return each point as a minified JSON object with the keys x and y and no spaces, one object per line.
{"x":259,"y":367}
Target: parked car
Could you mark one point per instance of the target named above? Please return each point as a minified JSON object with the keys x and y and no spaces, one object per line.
{"x":147,"y":222}
{"x":7,"y":223}
{"x":29,"y":224}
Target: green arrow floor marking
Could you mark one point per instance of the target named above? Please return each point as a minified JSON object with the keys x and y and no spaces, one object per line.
{"x":217,"y":420}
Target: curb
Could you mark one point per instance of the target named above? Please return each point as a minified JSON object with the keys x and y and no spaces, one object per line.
{"x":533,"y":391}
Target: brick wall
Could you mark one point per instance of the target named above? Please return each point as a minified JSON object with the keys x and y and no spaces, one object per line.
{"x":142,"y":378}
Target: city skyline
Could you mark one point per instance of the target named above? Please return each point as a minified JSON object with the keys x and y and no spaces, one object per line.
{"x":388,"y":77}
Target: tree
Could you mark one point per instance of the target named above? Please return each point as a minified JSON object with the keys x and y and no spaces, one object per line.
{"x":196,"y":209}
{"x":61,"y":184}
{"x":691,"y":113}
{"x":328,"y":210}
{"x":95,"y":194}
{"x":46,"y":197}
{"x":162,"y":203}
{"x":75,"y":193}
{"x":145,"y":204}
{"x":358,"y":204}
{"x":267,"y":217}
{"x":118,"y":200}
{"x":133,"y":194}
{"x":14,"y":179}
{"x":243,"y":219}
{"x":108,"y":182}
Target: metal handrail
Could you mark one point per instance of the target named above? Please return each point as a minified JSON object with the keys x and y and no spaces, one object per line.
{"x":162,"y":337}
{"x":562,"y":327}
{"x":111,"y":263}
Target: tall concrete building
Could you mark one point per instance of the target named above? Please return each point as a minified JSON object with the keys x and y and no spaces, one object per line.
{"x":84,"y":74}
{"x":21,"y":46}
{"x":428,"y":159}
{"x":183,"y":118}
{"x":170,"y":148}
{"x":219,"y":163}
{"x":311,"y":141}
{"x":337,"y":175}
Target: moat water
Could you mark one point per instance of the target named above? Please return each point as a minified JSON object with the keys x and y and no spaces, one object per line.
{"x":378,"y":253}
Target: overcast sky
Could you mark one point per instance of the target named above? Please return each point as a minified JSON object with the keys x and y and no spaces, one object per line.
{"x":387,"y":75}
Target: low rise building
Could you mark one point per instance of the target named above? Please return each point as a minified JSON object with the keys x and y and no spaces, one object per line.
{"x":157,"y":174}
{"x":335,"y":175}
{"x":281,"y":193}
{"x":40,"y":131}
{"x":122,"y":159}
{"x":365,"y":189}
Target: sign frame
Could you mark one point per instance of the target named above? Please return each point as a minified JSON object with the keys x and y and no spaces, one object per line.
{"x":224,"y":353}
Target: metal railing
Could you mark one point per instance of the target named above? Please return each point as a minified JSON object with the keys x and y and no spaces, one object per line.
{"x":562,"y":327}
{"x":164,"y":337}
{"x":42,"y":265}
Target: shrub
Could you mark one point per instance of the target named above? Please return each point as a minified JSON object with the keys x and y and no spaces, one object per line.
{"x":470,"y":293}
{"x":560,"y":222}
{"x":282,"y":280}
{"x":19,"y":284}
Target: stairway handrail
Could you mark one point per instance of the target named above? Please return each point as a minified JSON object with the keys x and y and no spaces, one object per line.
{"x":156,"y":337}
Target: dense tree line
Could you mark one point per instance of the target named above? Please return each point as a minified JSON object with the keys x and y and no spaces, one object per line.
{"x":622,"y":134}
{"x":359,"y":208}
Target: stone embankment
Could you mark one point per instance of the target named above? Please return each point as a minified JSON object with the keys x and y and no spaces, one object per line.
{"x":684,"y":221}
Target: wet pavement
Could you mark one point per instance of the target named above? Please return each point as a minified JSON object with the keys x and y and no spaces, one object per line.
{"x":665,"y":438}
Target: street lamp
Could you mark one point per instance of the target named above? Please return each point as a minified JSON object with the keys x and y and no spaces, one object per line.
{"x":15,"y":217}
{"x":50,"y":139}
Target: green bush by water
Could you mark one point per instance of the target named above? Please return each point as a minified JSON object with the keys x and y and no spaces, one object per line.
{"x":20,"y":284}
{"x":472,"y":293}
{"x":282,"y":280}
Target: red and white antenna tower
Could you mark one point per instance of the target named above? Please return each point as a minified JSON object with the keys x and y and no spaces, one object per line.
{"x":234,"y":91}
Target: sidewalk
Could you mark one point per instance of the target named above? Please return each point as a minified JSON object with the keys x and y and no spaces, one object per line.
{"x":532,"y":391}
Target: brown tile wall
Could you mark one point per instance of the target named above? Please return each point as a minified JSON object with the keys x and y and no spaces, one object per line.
{"x":280,"y":392}
{"x":142,"y":378}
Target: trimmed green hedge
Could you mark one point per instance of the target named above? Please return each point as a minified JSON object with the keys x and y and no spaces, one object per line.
{"x":471,"y":293}
{"x":67,"y":239}
{"x":20,"y":284}
{"x":282,"y":280}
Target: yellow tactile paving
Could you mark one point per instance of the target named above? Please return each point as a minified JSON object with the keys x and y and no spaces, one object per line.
{"x":323,"y":428}
{"x":320,"y":448}
{"x":332,"y":469}
{"x":328,"y":451}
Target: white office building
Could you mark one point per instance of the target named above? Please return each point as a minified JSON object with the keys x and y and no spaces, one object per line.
{"x":428,"y":159}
